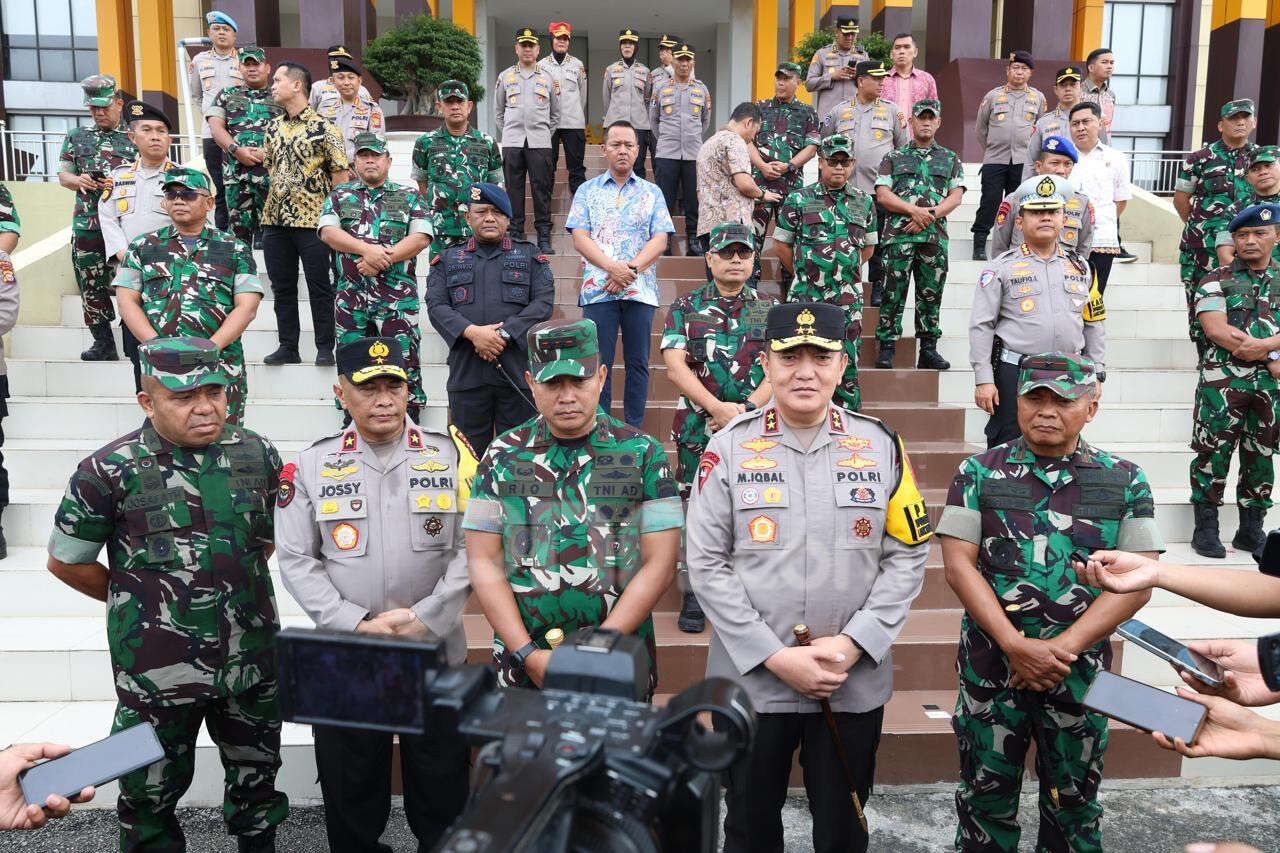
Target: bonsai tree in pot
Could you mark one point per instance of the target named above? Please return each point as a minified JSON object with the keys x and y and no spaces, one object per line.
{"x":412,"y":59}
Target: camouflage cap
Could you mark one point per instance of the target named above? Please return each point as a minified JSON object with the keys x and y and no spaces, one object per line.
{"x":252,"y":51}
{"x":369,"y":142}
{"x":453,"y":89}
{"x":728,"y":234}
{"x":791,"y":68}
{"x":181,"y":364}
{"x":190,"y":178}
{"x":99,"y":90}
{"x":1264,"y":154}
{"x":1068,"y":375}
{"x":927,"y":105}
{"x":836,"y":143}
{"x":557,"y":348}
{"x":1239,"y":105}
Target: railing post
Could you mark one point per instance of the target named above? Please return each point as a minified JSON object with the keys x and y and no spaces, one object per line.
{"x":4,"y":149}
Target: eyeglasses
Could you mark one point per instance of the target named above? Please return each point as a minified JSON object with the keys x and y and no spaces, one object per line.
{"x":730,"y":252}
{"x":185,"y":195}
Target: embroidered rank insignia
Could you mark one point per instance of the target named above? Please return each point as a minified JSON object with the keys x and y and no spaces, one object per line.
{"x":853,"y":442}
{"x":857,"y":462}
{"x":763,"y":529}
{"x":758,"y":463}
{"x":862,"y":527}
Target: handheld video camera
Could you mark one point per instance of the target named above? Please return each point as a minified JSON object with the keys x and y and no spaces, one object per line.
{"x":576,"y":766}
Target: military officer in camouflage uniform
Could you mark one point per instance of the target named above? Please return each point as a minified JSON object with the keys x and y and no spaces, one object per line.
{"x":10,"y":222}
{"x":711,"y":344}
{"x":1007,"y":118}
{"x":351,"y":112}
{"x":1057,"y":157}
{"x":448,"y":160}
{"x":376,"y":229}
{"x":1264,"y":179}
{"x":574,"y":518}
{"x":88,"y":155}
{"x":919,"y":184}
{"x":369,"y":538}
{"x":824,"y":234}
{"x":184,"y":506}
{"x":1035,"y":297}
{"x":1237,"y":395}
{"x":804,"y":512}
{"x":626,"y":94}
{"x":238,"y":117}
{"x":786,"y":141}
{"x":190,"y":279}
{"x":1210,"y":182}
{"x":1034,"y":637}
{"x":208,"y":73}
{"x":831,"y":71}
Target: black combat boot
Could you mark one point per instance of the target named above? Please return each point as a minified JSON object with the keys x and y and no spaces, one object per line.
{"x":104,"y":345}
{"x":1249,"y":535}
{"x":928,"y":357}
{"x":262,"y":843}
{"x":884,"y":359}
{"x":692,"y":620}
{"x":283,"y":355}
{"x":1205,"y":541}
{"x":544,"y":244}
{"x":980,"y":249}
{"x":877,"y":293}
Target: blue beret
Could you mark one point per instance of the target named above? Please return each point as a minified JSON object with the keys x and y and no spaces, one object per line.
{"x":1060,"y":145}
{"x":491,"y":194}
{"x":220,"y":18}
{"x":1255,"y":215}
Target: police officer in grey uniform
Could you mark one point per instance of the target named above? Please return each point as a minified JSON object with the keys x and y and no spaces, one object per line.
{"x":626,"y":94}
{"x":131,"y":205}
{"x":1033,"y":298}
{"x":680,"y":114}
{"x":831,"y":73}
{"x":571,"y":85}
{"x":797,"y":466}
{"x":369,"y":539}
{"x":208,"y":73}
{"x":664,"y":71}
{"x":528,"y":111}
{"x":323,"y":92}
{"x":1057,"y":121}
{"x":359,"y":115}
{"x":482,"y":297}
{"x":1077,"y":226}
{"x":1007,"y":117}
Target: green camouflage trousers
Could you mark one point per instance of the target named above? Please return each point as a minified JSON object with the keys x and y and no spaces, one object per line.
{"x":246,"y":730}
{"x":237,"y":389}
{"x":848,"y":393}
{"x":93,"y":276}
{"x":1231,"y":411}
{"x":928,"y":263}
{"x":357,"y":316}
{"x":245,"y":194}
{"x":761,"y":215}
{"x":994,"y":728}
{"x":1195,"y":264}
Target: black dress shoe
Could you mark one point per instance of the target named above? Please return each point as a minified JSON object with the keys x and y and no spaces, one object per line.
{"x":324,"y":358}
{"x":692,"y":620}
{"x":877,"y":293}
{"x":284,"y":355}
{"x":980,"y":250}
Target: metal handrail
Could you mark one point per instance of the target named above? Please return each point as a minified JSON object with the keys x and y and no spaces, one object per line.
{"x":1155,"y":171}
{"x":32,"y":155}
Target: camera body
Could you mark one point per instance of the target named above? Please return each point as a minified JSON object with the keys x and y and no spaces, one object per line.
{"x":558,"y":769}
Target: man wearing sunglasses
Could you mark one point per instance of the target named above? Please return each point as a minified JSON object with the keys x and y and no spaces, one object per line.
{"x":711,"y":344}
{"x":824,"y":234}
{"x":188,"y":279}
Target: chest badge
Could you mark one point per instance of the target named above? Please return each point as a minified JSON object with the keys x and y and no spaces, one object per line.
{"x":1027,"y":305}
{"x":772,"y":495}
{"x":429,"y":465}
{"x":763,"y":529}
{"x":433,"y":526}
{"x":750,"y":496}
{"x":346,"y":537}
{"x":328,"y":507}
{"x":862,"y":527}
{"x":853,"y":442}
{"x":338,"y":470}
{"x":758,"y":445}
{"x":862,"y":495}
{"x":758,"y":463}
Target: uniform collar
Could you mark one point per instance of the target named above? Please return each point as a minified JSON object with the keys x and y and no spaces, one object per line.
{"x":835,"y":424}
{"x":1026,"y":252}
{"x":473,"y":245}
{"x":711,"y":292}
{"x":1084,"y":456}
{"x":351,"y":441}
{"x":157,"y":443}
{"x":542,"y":436}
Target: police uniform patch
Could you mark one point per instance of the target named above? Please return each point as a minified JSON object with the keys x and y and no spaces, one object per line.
{"x":862,"y":527}
{"x":1027,"y":305}
{"x":772,"y":495}
{"x":338,"y":470}
{"x":763,"y":529}
{"x":757,"y":463}
{"x":328,"y":507}
{"x":758,"y":445}
{"x":433,"y":526}
{"x":853,"y":442}
{"x":862,"y":495}
{"x":284,"y":489}
{"x":750,"y":496}
{"x":708,"y":461}
{"x":424,"y":501}
{"x":345,"y":536}
{"x":444,"y":501}
{"x":986,"y":278}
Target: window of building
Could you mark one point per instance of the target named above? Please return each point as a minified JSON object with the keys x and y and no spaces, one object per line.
{"x":34,"y":142}
{"x":49,"y":40}
{"x":1139,"y":32}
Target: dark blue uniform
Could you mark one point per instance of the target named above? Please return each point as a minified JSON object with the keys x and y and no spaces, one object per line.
{"x":480,"y":284}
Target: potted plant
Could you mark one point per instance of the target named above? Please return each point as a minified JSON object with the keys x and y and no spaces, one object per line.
{"x":412,"y":59}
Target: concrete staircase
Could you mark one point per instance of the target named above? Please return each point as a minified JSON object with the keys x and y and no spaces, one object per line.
{"x":55,"y":680}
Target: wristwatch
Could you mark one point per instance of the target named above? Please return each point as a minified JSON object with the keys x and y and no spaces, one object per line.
{"x":233,"y":148}
{"x":749,"y":406}
{"x":791,"y":168}
{"x":504,"y":334}
{"x":520,"y":655}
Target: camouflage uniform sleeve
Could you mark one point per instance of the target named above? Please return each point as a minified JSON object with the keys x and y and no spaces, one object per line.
{"x":419,"y":159}
{"x":85,"y":519}
{"x":810,"y":132}
{"x":872,"y":236}
{"x":957,"y":174}
{"x":419,"y":215}
{"x":1138,"y":528}
{"x":495,"y":162}
{"x":1186,"y":180}
{"x":662,"y":508}
{"x":885,"y":176}
{"x":788,"y":219}
{"x":216,"y":107}
{"x":1209,"y":296}
{"x":9,"y":219}
{"x":130,"y":272}
{"x":961,"y":517}
{"x":328,"y":214}
{"x":246,"y":280}
{"x":674,"y":332}
{"x":484,"y":508}
{"x":67,"y":157}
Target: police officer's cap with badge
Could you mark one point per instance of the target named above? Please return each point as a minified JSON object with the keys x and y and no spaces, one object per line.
{"x":368,"y":358}
{"x":99,"y":90}
{"x":669,"y":40}
{"x":682,"y":51}
{"x":1023,"y":56}
{"x":343,"y":63}
{"x":1067,"y":72}
{"x":1256,"y":216}
{"x":1046,"y":195}
{"x":628,"y":35}
{"x":870,"y":68}
{"x":526,"y":35}
{"x":795,"y":324}
{"x":846,"y":25}
{"x":142,"y":111}
{"x":487,"y":193}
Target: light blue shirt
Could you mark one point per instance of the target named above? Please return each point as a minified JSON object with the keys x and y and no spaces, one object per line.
{"x":621,"y":219}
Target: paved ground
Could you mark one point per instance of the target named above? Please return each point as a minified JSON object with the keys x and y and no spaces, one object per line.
{"x":1141,"y":817}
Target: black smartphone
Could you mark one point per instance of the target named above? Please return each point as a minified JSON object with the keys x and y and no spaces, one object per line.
{"x":354,"y":680}
{"x":96,"y":764}
{"x":1141,"y":634}
{"x":1269,"y":660}
{"x":1268,"y":556}
{"x":1145,"y":707}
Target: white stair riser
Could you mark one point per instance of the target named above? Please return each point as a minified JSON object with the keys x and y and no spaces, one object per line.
{"x":955,"y":386}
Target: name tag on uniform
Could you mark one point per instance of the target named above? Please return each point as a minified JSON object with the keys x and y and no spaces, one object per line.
{"x":616,"y":482}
